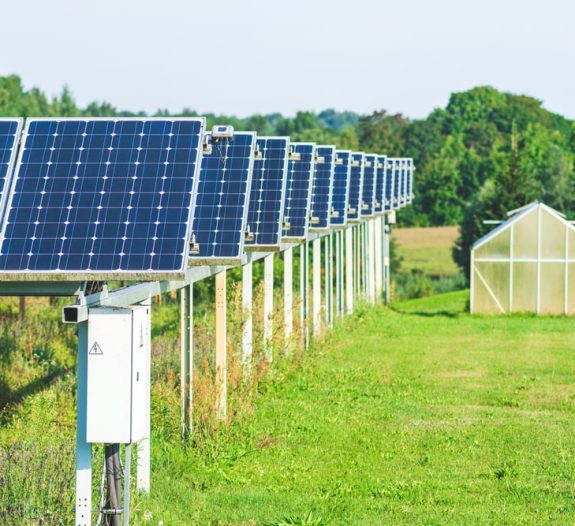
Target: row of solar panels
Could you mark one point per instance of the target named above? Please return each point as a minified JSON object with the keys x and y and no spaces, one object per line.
{"x":145,"y":198}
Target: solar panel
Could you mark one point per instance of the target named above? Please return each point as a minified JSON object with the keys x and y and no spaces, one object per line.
{"x":220,"y":215}
{"x":321,"y":192}
{"x":339,"y":198}
{"x":298,"y":191}
{"x":389,"y":203}
{"x":101,"y":199}
{"x":10,"y":130}
{"x":403,"y":171}
{"x":267,"y":193}
{"x":368,"y":187}
{"x":396,"y":183}
{"x":411,"y":169}
{"x":355,"y":186}
{"x":380,"y":184}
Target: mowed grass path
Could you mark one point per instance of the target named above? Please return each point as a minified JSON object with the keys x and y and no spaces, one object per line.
{"x":420,"y":415}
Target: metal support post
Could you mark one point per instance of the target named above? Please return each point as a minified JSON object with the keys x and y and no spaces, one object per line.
{"x":371,"y":260}
{"x":221,"y":351}
{"x":268,"y":304}
{"x":83,"y":448}
{"x":303,"y":288}
{"x":349,"y":264}
{"x":316,"y":284}
{"x":338,"y":274}
{"x":127,"y":477}
{"x":288,"y":297}
{"x":329,"y":279}
{"x":247,"y":291}
{"x":185,"y":360}
{"x":378,"y":262}
{"x":386,"y":269}
{"x":143,"y":452}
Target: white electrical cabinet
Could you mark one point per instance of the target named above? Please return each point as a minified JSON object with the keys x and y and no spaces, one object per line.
{"x":118,"y":408}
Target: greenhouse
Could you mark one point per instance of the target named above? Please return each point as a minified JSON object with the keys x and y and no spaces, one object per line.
{"x":526,"y":264}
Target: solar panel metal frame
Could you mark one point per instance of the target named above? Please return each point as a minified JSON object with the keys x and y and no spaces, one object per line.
{"x":292,"y":239}
{"x":217,"y":260}
{"x":355,"y":217}
{"x":7,"y":183}
{"x":339,"y":221}
{"x":380,"y":185}
{"x":262,"y":247}
{"x":88,"y":275}
{"x":367,"y":209}
{"x":326,"y":227}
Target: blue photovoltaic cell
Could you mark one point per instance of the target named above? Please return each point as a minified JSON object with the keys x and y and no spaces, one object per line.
{"x":368,"y":187}
{"x":389,"y":185}
{"x":220,"y":214}
{"x":380,"y":185}
{"x":102,"y":197}
{"x":298,"y":191}
{"x":9,"y":133}
{"x":355,"y":186}
{"x":321,"y":192}
{"x":341,"y":175}
{"x":267,"y":193}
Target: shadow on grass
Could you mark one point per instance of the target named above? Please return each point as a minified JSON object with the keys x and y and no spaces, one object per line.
{"x":10,"y":400}
{"x":427,"y":313}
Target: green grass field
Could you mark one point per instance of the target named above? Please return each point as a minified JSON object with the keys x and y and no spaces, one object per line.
{"x":427,"y":249}
{"x":420,"y":415}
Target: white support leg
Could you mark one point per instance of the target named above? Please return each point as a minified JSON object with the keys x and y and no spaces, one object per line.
{"x":303,"y":283}
{"x":378,"y":263}
{"x":288,"y":297}
{"x":221,"y":351}
{"x":268,"y":304}
{"x":329,"y":280}
{"x":83,"y":448}
{"x":371,"y":260}
{"x":247,"y":288}
{"x":338,"y":275}
{"x":316,"y":287}
{"x":185,"y":366}
{"x":349,"y":264}
{"x":143,"y":453}
{"x":386,"y":272}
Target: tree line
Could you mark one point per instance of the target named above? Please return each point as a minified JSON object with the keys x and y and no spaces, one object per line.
{"x":485,"y":153}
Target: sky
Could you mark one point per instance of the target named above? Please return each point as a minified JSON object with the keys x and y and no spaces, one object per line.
{"x":242,"y":57}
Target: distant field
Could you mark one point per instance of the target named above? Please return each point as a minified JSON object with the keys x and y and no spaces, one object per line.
{"x":427,"y":249}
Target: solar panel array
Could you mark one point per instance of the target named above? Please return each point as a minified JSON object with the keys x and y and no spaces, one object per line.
{"x":143,"y":198}
{"x":298,"y":191}
{"x":321,"y":192}
{"x":368,"y":187}
{"x":268,"y":191}
{"x":104,"y":197}
{"x":220,"y":215}
{"x":355,"y":186}
{"x":341,"y":177}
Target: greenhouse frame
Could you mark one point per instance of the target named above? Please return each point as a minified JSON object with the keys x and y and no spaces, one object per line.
{"x":526,"y":264}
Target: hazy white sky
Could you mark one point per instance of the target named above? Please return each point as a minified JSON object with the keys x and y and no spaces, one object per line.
{"x":255,"y":56}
